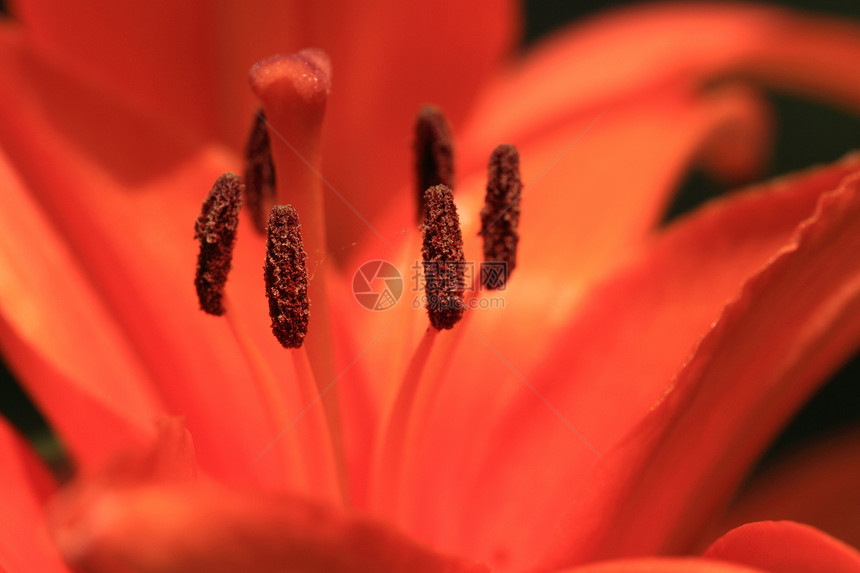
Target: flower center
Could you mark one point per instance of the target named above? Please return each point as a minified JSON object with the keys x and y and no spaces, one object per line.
{"x":283,"y":183}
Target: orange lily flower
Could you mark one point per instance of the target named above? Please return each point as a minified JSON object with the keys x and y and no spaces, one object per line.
{"x":608,"y":410}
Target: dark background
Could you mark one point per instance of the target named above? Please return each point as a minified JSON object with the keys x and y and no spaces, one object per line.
{"x":807,"y":134}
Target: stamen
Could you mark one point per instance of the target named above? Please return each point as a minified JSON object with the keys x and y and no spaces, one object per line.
{"x":500,"y":217}
{"x":443,"y":259}
{"x":391,"y":452}
{"x":215,"y":228}
{"x":259,"y":172}
{"x":434,"y":153}
{"x":287,"y":277}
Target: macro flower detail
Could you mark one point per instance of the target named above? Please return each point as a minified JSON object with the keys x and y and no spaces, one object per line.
{"x":600,"y":418}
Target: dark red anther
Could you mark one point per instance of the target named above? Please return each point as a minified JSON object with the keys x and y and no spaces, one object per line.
{"x":215,"y":228}
{"x":260,"y":187}
{"x":500,"y":217}
{"x":434,"y":153}
{"x":444,"y":262}
{"x":286,"y":277}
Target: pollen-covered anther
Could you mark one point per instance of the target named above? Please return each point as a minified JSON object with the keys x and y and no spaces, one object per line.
{"x":434,"y":153}
{"x":443,"y":259}
{"x":215,"y":228}
{"x":500,"y":217}
{"x":286,"y":277}
{"x":260,"y":187}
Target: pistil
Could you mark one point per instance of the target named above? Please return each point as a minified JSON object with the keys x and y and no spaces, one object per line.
{"x":294,"y":91}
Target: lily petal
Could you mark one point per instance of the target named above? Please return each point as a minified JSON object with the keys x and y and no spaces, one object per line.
{"x":176,"y":529}
{"x":555,"y":265}
{"x":50,"y":342}
{"x":785,"y":547}
{"x":662,"y":565}
{"x":793,"y":322}
{"x":575,"y":200}
{"x":654,"y":328}
{"x":147,"y":37}
{"x":24,"y":486}
{"x":583,"y":211}
{"x":174,"y":50}
{"x":790,"y":50}
{"x":590,"y":71}
{"x":816,"y":486}
{"x":440,"y":54}
{"x":132,"y":242}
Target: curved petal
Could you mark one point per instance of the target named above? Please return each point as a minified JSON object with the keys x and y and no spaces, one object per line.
{"x":495,"y":350}
{"x":61,"y":339}
{"x":662,"y":565}
{"x":567,"y":228}
{"x":792,"y":324}
{"x":816,"y":486}
{"x":588,"y":187}
{"x":170,"y":528}
{"x":151,"y":57}
{"x":785,"y":547}
{"x":168,"y":458}
{"x":650,"y":315}
{"x":191,"y":60}
{"x":24,"y":486}
{"x":440,"y":54}
{"x":591,"y":70}
{"x":676,"y":45}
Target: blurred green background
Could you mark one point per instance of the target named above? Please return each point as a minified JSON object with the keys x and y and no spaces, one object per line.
{"x":807,"y":134}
